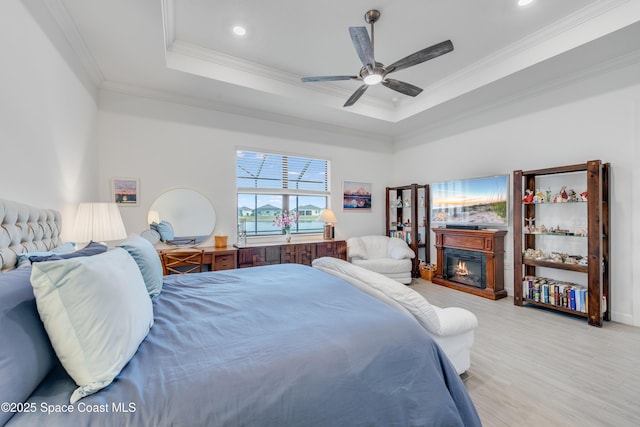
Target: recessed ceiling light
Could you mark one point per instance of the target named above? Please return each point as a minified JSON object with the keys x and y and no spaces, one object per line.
{"x":524,"y":2}
{"x":239,"y":30}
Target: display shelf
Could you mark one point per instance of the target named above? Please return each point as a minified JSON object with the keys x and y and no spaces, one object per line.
{"x":594,"y":220}
{"x":553,"y":307}
{"x":407,"y":217}
{"x":558,"y":265}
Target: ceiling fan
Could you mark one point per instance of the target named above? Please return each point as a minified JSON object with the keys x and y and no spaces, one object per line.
{"x":373,"y":72}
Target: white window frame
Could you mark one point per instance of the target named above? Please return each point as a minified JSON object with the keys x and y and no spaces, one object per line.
{"x":284,"y":192}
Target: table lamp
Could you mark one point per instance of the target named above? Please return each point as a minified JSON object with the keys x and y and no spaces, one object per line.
{"x":153,"y":216}
{"x":329,"y":219}
{"x":98,"y":222}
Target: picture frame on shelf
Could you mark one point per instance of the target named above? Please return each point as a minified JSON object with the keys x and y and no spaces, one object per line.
{"x":125,"y":191}
{"x":356,"y":196}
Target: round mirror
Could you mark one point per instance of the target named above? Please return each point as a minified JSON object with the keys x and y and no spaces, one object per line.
{"x":189,"y":212}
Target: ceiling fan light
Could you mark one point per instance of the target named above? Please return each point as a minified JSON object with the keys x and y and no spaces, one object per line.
{"x":372,"y":79}
{"x":239,"y":30}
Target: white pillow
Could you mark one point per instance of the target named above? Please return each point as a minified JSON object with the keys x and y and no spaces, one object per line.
{"x":96,"y":311}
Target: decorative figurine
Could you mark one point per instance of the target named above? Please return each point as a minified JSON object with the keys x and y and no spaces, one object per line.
{"x":528,"y":198}
{"x":548,"y":195}
{"x":399,"y":202}
{"x":539,"y":197}
{"x":407,"y":202}
{"x":556,"y":257}
{"x":583,"y":196}
{"x":529,"y":228}
{"x":422,"y":201}
{"x":564,"y":197}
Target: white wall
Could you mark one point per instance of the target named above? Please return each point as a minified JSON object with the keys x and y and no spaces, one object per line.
{"x":48,"y":120}
{"x":167,"y":145}
{"x":579,"y":122}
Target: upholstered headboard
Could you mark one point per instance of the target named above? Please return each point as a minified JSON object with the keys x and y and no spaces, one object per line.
{"x":24,"y":228}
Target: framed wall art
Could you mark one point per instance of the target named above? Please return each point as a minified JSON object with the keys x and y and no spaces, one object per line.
{"x":356,"y":196}
{"x":125,"y":191}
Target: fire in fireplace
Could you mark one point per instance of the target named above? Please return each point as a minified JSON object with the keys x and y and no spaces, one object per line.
{"x":466,"y":267}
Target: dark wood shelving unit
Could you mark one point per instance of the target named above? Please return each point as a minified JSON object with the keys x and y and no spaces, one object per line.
{"x":417,"y":213}
{"x":558,"y":265}
{"x":596,"y":178}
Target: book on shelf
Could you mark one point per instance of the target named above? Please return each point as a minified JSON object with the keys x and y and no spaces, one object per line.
{"x":401,"y":234}
{"x":554,"y":292}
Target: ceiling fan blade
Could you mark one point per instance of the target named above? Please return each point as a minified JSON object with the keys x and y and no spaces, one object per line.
{"x":328,"y":78}
{"x":356,"y":95}
{"x":421,"y":56}
{"x":362,"y":43}
{"x":402,"y":87}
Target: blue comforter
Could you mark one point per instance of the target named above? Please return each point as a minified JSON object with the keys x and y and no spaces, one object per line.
{"x":283,"y":345}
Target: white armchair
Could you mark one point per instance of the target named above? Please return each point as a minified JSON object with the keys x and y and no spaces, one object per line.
{"x":389,"y":256}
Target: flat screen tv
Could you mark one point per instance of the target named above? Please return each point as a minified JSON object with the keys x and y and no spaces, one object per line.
{"x":476,"y":201}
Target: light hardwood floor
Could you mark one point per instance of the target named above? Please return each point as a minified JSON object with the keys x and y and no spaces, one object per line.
{"x":536,"y":367}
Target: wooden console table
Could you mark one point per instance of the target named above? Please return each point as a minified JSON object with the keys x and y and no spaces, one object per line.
{"x":488,"y":242}
{"x":298,"y":252}
{"x":216,"y":258}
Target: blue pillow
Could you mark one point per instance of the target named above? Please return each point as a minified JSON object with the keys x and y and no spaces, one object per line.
{"x":26,"y":356}
{"x":93,"y":248}
{"x":166,"y":231}
{"x":145,"y":255}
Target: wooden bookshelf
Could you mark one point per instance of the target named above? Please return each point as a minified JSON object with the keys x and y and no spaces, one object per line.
{"x":594,"y":175}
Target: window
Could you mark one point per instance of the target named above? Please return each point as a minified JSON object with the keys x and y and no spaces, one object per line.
{"x":268,"y":184}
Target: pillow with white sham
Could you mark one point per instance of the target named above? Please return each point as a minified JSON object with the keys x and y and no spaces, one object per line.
{"x":96,"y":311}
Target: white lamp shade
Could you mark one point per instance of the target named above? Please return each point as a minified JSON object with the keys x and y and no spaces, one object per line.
{"x":327,"y":216}
{"x":154,"y":216}
{"x":100,"y":222}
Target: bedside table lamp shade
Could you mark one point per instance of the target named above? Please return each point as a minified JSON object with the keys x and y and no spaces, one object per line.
{"x":100,"y":222}
{"x":329,"y":219}
{"x":153,"y":216}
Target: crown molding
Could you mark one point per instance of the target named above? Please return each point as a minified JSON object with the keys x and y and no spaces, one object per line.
{"x":539,"y":46}
{"x":602,"y":17}
{"x":628,"y":60}
{"x":61,"y":16}
{"x":225,"y":107}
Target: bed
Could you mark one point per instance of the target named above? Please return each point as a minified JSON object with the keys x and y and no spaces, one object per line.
{"x":282,"y":345}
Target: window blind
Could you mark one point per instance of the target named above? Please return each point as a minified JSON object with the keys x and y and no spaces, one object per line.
{"x":290,"y":174}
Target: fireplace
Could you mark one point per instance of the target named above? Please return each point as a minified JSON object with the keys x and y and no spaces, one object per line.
{"x":471,"y":261}
{"x":466,"y":267}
